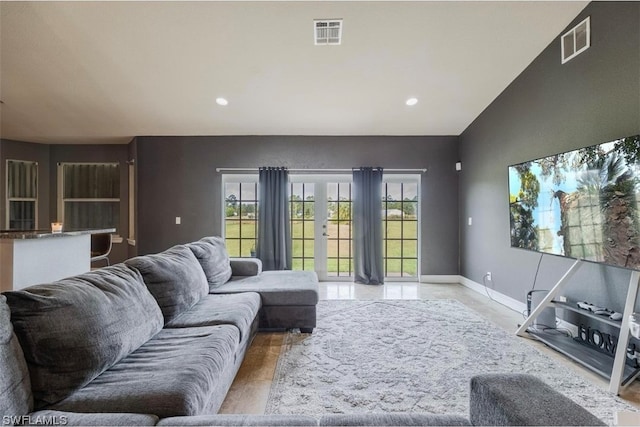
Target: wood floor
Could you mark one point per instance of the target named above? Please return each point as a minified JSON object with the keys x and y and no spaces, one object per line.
{"x":250,"y":390}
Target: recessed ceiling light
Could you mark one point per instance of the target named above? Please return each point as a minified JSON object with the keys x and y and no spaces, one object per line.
{"x":412,"y":101}
{"x":221,"y":101}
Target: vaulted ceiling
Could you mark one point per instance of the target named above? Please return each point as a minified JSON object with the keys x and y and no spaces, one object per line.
{"x":104,"y":72}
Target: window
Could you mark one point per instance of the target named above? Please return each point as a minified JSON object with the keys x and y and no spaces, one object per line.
{"x":400,"y":223}
{"x":132,"y":203}
{"x":240,"y":214}
{"x":321,"y":222}
{"x":89,"y":195}
{"x":22,"y":195}
{"x":576,"y":40}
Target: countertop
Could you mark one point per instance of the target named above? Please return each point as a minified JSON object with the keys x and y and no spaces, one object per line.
{"x":44,"y":234}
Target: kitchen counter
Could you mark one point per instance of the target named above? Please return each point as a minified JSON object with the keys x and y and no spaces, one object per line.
{"x":43,"y":234}
{"x":33,"y":257}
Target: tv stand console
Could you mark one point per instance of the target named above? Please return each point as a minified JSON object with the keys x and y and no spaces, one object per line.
{"x":617,"y":370}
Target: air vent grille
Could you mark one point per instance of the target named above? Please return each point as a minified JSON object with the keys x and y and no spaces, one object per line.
{"x":327,"y":31}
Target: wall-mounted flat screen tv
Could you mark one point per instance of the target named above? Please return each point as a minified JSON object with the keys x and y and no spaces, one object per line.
{"x":582,"y":204}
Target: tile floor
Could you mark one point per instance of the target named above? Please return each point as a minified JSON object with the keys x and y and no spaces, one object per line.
{"x":250,"y":390}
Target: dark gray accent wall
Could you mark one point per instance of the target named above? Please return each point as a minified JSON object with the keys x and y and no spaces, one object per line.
{"x":26,"y":151}
{"x":549,"y":108}
{"x":177,"y":177}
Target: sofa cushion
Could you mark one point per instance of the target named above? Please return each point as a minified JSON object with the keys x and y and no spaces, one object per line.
{"x":523,"y":400}
{"x":181,"y":371}
{"x":174,"y":277}
{"x":239,"y":310}
{"x":74,"y":329}
{"x":213,"y":258}
{"x":15,"y":387}
{"x":277,"y":287}
{"x":393,"y":419}
{"x":59,"y":418}
{"x":234,"y":420}
{"x":245,"y":266}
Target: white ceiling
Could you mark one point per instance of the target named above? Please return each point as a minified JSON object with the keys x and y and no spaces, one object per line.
{"x":104,"y":72}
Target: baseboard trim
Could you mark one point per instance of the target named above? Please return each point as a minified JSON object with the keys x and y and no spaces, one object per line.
{"x":503,"y":299}
{"x":442,"y":278}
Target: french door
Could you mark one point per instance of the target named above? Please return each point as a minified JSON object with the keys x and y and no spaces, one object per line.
{"x":321,"y":223}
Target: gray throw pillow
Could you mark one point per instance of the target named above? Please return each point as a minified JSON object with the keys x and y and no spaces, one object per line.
{"x":15,"y":387}
{"x":174,"y":277}
{"x":74,"y":329}
{"x":214,"y":259}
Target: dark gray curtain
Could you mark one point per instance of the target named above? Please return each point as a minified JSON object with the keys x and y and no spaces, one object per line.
{"x":367,"y":226}
{"x":274,"y":228}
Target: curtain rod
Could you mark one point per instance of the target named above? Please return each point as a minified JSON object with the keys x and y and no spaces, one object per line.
{"x":319,"y":171}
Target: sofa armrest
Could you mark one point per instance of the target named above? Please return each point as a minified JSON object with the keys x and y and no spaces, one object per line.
{"x":245,"y":266}
{"x":523,"y":400}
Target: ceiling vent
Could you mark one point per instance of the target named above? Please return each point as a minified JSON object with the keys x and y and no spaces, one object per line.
{"x":327,"y":31}
{"x":576,"y":40}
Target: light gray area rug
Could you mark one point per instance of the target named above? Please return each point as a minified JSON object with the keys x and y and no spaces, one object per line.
{"x":410,"y":356}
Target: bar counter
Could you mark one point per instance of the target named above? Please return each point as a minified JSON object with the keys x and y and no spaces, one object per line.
{"x":40,"y":256}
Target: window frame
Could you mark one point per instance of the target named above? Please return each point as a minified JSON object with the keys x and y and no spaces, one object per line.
{"x":402,"y":178}
{"x":62,"y":200}
{"x":131,"y":171}
{"x":236,"y":178}
{"x":388,"y":178}
{"x":9,"y":199}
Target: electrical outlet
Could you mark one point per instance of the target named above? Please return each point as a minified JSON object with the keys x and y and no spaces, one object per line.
{"x":488,"y":275}
{"x":178,"y":220}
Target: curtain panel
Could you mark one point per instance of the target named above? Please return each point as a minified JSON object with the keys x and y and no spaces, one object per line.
{"x":92,"y":181}
{"x":91,"y":195}
{"x":367,"y":226}
{"x":22,"y":179}
{"x":22,"y":183}
{"x":274,"y":227}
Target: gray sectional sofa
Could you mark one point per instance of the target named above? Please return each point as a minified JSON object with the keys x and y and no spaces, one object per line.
{"x":148,"y":333}
{"x":160,"y":338}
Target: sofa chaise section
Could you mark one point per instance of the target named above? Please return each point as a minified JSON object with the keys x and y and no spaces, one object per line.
{"x":289,"y":298}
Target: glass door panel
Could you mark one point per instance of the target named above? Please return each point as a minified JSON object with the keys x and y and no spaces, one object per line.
{"x":339,"y":220}
{"x":302,"y":211}
{"x":321,"y":225}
